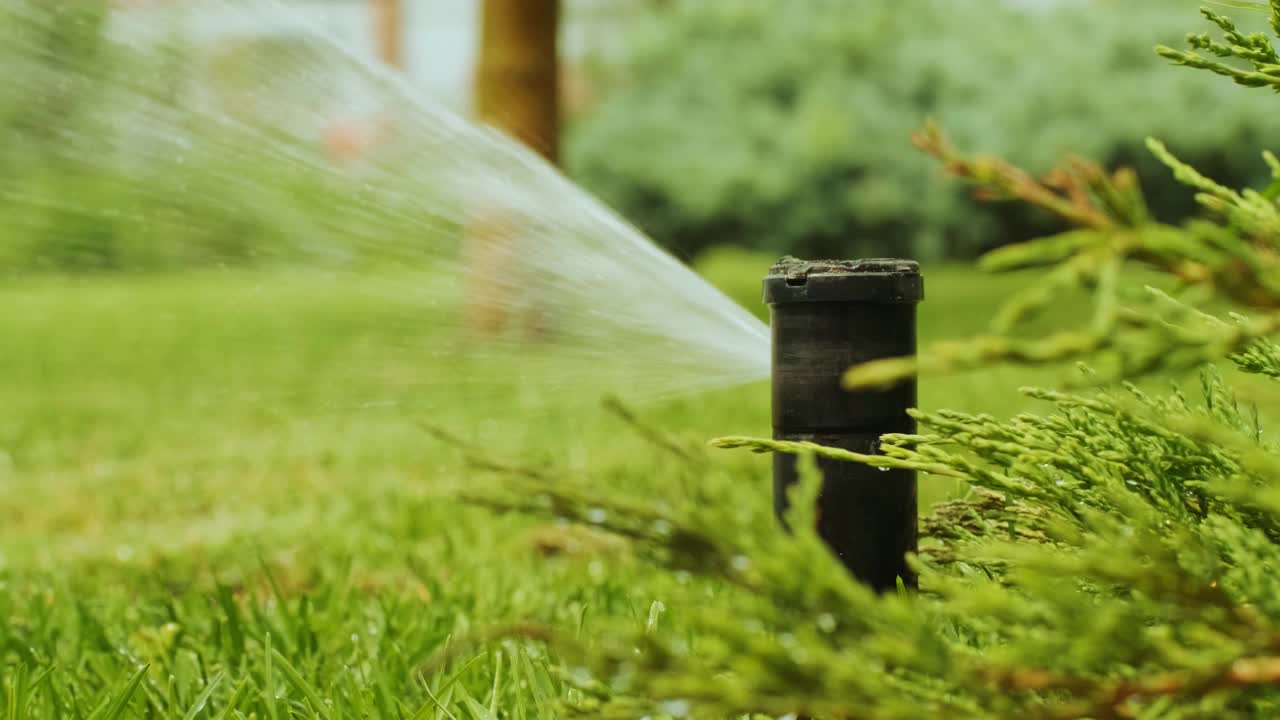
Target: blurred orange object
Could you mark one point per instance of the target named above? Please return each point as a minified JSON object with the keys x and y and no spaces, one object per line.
{"x":348,"y":141}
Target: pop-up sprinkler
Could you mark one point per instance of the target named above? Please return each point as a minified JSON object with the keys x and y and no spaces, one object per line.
{"x":826,"y":317}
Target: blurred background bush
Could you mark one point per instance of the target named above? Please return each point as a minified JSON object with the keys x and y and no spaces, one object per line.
{"x":763,"y":124}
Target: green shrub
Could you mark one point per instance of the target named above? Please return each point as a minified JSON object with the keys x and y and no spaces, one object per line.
{"x":753,"y":122}
{"x":1115,"y":554}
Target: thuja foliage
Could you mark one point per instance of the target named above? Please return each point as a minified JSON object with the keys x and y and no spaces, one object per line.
{"x":1114,"y":556}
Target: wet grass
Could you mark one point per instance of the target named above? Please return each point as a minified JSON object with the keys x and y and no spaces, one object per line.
{"x":219,"y":499}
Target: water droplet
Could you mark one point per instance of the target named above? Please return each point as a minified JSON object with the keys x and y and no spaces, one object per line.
{"x":826,"y":622}
{"x":741,"y":562}
{"x":682,"y":577}
{"x":883,"y":469}
{"x":655,"y":612}
{"x":662,"y":527}
{"x":675,"y":708}
{"x":597,"y":515}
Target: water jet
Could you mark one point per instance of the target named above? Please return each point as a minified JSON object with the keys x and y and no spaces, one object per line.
{"x":242,"y":136}
{"x":825,"y":317}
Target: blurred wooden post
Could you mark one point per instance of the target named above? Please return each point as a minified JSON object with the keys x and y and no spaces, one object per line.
{"x":517,"y":90}
{"x":517,"y":77}
{"x":388,"y":28}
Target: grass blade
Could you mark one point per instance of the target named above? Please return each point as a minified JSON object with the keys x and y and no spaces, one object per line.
{"x":203,"y":699}
{"x":114,"y":709}
{"x":301,"y":685}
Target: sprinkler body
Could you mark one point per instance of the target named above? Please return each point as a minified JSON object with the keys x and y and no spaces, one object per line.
{"x":827,"y":316}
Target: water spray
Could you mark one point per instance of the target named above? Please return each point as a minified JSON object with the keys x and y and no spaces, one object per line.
{"x":827,"y":316}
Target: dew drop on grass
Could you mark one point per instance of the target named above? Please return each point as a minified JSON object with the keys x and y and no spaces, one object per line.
{"x":655,"y":612}
{"x":826,"y":622}
{"x":741,"y":563}
{"x":597,"y":515}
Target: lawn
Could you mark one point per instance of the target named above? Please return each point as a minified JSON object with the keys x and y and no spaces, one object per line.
{"x":227,"y":478}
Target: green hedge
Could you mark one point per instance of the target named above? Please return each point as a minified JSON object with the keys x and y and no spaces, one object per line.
{"x":785,"y":126}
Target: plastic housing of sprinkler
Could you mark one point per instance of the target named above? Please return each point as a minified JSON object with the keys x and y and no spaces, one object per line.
{"x":827,"y":316}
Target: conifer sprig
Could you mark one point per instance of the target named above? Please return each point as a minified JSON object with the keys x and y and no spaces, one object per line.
{"x":1105,"y":563}
{"x":1234,"y":253}
{"x":1255,"y":49}
{"x":1237,"y":258}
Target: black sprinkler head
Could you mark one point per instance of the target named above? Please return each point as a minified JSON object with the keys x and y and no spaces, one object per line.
{"x":826,"y":317}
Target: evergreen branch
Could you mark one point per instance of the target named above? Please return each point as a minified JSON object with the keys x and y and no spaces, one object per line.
{"x":1189,"y":175}
{"x":1032,"y":547}
{"x":1257,"y":215}
{"x":1261,"y":358}
{"x":998,"y":179}
{"x":1256,"y":460}
{"x":1247,"y":78}
{"x":791,"y":447}
{"x":1239,"y":260}
{"x":982,"y":351}
{"x":1255,"y":49}
{"x":478,"y":459}
{"x":1112,"y":700}
{"x":654,"y":435}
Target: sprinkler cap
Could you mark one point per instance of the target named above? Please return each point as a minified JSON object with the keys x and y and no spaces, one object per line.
{"x":876,"y":280}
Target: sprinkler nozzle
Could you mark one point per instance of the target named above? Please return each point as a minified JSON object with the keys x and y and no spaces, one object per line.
{"x":827,"y":316}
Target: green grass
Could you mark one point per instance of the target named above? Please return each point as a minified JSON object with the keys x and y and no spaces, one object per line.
{"x":224,"y":479}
